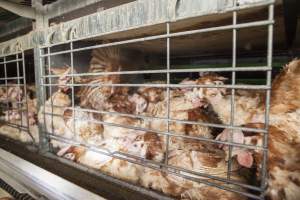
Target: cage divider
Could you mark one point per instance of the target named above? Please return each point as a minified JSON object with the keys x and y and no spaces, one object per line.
{"x":233,"y":82}
{"x":268,"y":97}
{"x":168,"y":96}
{"x":18,"y":87}
{"x":72,"y":88}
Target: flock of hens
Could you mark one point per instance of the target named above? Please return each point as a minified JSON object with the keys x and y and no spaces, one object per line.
{"x":96,"y":120}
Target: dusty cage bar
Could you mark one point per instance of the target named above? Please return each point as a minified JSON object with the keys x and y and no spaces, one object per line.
{"x":69,"y":80}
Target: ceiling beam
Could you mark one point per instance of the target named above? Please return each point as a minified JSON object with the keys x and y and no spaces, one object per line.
{"x":15,"y":26}
{"x":23,"y":11}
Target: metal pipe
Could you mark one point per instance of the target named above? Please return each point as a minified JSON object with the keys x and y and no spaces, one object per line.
{"x":268,"y":99}
{"x":245,"y":87}
{"x":6,"y":83}
{"x":19,"y":96}
{"x":11,"y":78}
{"x":221,"y":69}
{"x":233,"y":77}
{"x":10,"y":61}
{"x":41,"y":97}
{"x":168,"y":96}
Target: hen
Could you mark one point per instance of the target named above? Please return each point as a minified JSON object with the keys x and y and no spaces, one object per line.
{"x":64,"y":77}
{"x":51,"y":116}
{"x":84,"y":126}
{"x":103,"y":60}
{"x":285,"y":90}
{"x":250,"y":108}
{"x":112,"y":166}
{"x":182,"y":109}
{"x":283,"y":160}
{"x":18,"y":115}
{"x":208,"y":160}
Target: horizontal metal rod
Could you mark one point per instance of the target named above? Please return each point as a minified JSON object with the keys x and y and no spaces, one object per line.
{"x":212,"y":125}
{"x":13,"y":125}
{"x":252,"y":5}
{"x":244,"y":87}
{"x":11,"y":61}
{"x":3,"y":56}
{"x":173,"y":134}
{"x":223,"y":69}
{"x":170,"y":35}
{"x":150,"y":163}
{"x":11,"y":85}
{"x":11,"y":78}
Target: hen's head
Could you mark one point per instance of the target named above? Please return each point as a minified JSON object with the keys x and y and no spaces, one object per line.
{"x":15,"y":93}
{"x":60,"y":99}
{"x":153,"y":94}
{"x":244,"y":156}
{"x":148,"y":146}
{"x":211,"y":92}
{"x":64,"y":77}
{"x":201,"y":96}
{"x":139,"y":102}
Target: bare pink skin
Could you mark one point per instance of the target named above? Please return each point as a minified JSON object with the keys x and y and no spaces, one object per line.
{"x":244,"y":156}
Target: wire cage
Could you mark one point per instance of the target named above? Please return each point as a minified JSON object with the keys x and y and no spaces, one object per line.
{"x":143,"y":109}
{"x":17,"y":104}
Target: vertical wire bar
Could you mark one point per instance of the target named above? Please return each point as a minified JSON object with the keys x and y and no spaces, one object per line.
{"x":233,"y":81}
{"x":268,"y":96}
{"x":19,"y":96}
{"x":25,"y":95}
{"x":6,"y":84}
{"x":44,"y":92}
{"x":73,"y":89}
{"x":168,"y":95}
{"x":50,"y":90}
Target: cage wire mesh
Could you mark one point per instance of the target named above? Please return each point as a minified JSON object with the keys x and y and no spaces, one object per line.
{"x":16,"y":119}
{"x":146,"y":132}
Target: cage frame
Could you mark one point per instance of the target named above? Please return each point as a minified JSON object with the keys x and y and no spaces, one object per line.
{"x":233,"y":86}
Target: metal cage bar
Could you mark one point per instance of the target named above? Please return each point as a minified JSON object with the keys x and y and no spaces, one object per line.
{"x":268,"y":97}
{"x":233,"y":80}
